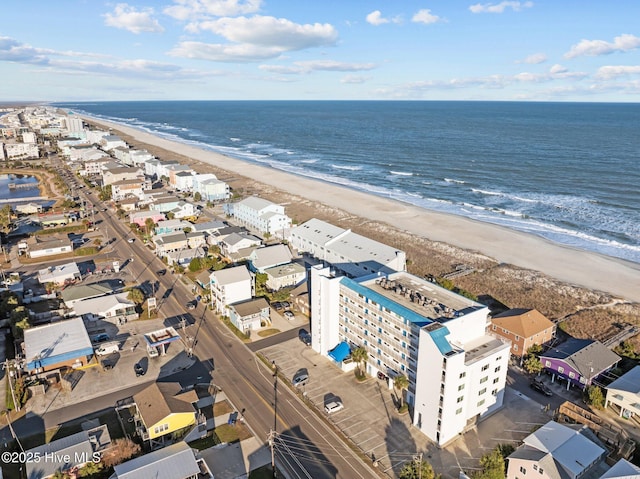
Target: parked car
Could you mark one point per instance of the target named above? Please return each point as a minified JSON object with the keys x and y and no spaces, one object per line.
{"x":139,"y":370}
{"x":333,"y":406}
{"x":108,"y":348}
{"x":131,"y":240}
{"x":100,"y":338}
{"x":541,"y":387}
{"x":277,"y":305}
{"x":289,"y":315}
{"x":382,"y":376}
{"x":162,"y":272}
{"x":286,"y":304}
{"x":300,"y":379}
{"x":191,"y":305}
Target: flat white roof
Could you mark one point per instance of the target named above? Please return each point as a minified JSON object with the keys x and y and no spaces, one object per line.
{"x":56,"y":339}
{"x":231,"y":275}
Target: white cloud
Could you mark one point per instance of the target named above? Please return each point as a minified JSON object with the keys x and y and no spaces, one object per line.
{"x":425,"y":16}
{"x":354,"y":79}
{"x":535,"y":59}
{"x":622,"y":43}
{"x":197,"y":9}
{"x":555,"y":69}
{"x":256,"y":38}
{"x":499,"y":7}
{"x":128,"y":18}
{"x":376,"y":18}
{"x":610,"y":72}
{"x":303,"y":67}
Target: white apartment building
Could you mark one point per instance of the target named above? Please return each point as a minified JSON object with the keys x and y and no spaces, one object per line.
{"x":353,"y":254}
{"x":210,"y":187}
{"x":230,"y":286}
{"x":112,"y":175}
{"x":261,"y":215}
{"x":129,"y":188}
{"x":29,"y":137}
{"x":21,"y":151}
{"x":409,"y":326}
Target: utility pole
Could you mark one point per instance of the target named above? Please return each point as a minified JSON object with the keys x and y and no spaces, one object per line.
{"x":275,"y":396}
{"x":271,"y":438}
{"x":7,"y":367}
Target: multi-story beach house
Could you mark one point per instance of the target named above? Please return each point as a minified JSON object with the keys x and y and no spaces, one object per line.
{"x":109,"y":142}
{"x":523,"y":328}
{"x":210,"y":187}
{"x":129,"y":188}
{"x":229,"y":286}
{"x":352,"y":254}
{"x":120,"y":173}
{"x":261,"y":215}
{"x":411,"y":327}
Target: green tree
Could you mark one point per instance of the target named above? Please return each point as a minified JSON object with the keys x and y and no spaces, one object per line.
{"x":5,"y":218}
{"x":195,"y":265}
{"x":261,"y":284}
{"x":532,"y":364}
{"x":136,"y":295}
{"x":90,"y":469}
{"x":97,"y":242}
{"x":534,"y":349}
{"x":360,"y":356}
{"x":417,"y":469}
{"x":197,"y":196}
{"x":400,"y":383}
{"x":188,"y":229}
{"x":493,"y":466}
{"x":171,"y":215}
{"x":149,"y":225}
{"x":105,"y":193}
{"x":593,"y":396}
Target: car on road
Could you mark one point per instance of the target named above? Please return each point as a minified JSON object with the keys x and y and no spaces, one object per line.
{"x":191,"y":305}
{"x":100,"y":338}
{"x":333,"y":406}
{"x":289,"y":315}
{"x":161,"y":272}
{"x":541,"y":387}
{"x":131,"y":240}
{"x":277,"y":305}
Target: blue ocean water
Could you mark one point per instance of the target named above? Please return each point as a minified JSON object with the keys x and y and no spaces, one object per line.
{"x":566,"y":171}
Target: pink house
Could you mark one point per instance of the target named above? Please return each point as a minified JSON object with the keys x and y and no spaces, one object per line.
{"x":140,"y":217}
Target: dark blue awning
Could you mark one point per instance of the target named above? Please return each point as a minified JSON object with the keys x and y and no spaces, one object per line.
{"x":340,"y":352}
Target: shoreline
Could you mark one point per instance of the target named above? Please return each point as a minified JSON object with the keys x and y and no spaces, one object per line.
{"x":577,"y":267}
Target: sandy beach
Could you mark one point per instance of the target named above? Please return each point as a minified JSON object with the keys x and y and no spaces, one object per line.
{"x":589,"y":270}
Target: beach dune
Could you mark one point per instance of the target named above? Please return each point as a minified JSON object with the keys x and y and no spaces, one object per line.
{"x":590,"y":270}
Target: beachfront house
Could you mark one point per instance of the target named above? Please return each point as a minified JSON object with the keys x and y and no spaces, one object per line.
{"x":623,"y":394}
{"x":412,"y":327}
{"x":250,"y":315}
{"x":210,"y":187}
{"x":261,"y":215}
{"x":120,"y":173}
{"x":523,"y":328}
{"x":236,"y":242}
{"x":352,"y":254}
{"x":269,"y":256}
{"x":578,"y":361}
{"x":229,"y":286}
{"x":110,"y":142}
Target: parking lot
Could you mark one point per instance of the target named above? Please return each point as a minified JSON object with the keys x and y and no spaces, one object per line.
{"x":369,"y":418}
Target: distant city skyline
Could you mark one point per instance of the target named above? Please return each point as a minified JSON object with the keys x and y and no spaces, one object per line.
{"x":78,"y":50}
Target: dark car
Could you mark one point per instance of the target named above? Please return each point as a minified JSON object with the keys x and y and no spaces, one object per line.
{"x":191,"y":305}
{"x":382,"y":376}
{"x":162,"y":272}
{"x":100,"y":338}
{"x":540,"y":387}
{"x":304,"y":336}
{"x":139,"y":370}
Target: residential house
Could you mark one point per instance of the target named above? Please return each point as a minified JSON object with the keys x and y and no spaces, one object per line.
{"x":73,"y":294}
{"x":300,"y":298}
{"x":412,"y":327}
{"x":210,"y":187}
{"x":116,"y":308}
{"x":172,"y":226}
{"x":229,"y":286}
{"x":221,"y":234}
{"x":109,"y":142}
{"x":129,"y":204}
{"x":269,"y":256}
{"x":60,"y":275}
{"x":138,"y":157}
{"x":164,"y":412}
{"x":174,"y":170}
{"x":622,"y":469}
{"x":95,"y":166}
{"x":208,"y":227}
{"x":130,"y":188}
{"x":59,"y":345}
{"x":177,"y":461}
{"x":95,"y":135}
{"x":140,"y":217}
{"x":196,"y":239}
{"x":235,"y":242}
{"x":183,"y":257}
{"x":261,"y":215}
{"x":578,"y":361}
{"x":523,"y":328}
{"x":556,"y":451}
{"x":120,"y":173}
{"x":285,"y":275}
{"x":171,"y":242}
{"x":624,"y":394}
{"x":50,"y":245}
{"x":183,"y":180}
{"x":67,"y":454}
{"x":352,"y":254}
{"x":251,"y":314}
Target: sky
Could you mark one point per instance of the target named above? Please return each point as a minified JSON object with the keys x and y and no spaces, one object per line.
{"x":513,"y":50}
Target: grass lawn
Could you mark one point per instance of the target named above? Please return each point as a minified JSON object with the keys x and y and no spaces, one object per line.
{"x":268,"y":332}
{"x":222,"y":407}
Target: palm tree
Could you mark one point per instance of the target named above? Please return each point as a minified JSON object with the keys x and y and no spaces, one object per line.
{"x":360,"y":356}
{"x":400,"y":383}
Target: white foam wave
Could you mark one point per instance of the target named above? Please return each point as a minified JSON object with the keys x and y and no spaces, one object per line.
{"x":451,"y":180}
{"x":346,"y":167}
{"x":400,"y":173}
{"x":234,"y":139}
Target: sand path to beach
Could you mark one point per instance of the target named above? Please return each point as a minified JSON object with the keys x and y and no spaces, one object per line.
{"x":590,"y":270}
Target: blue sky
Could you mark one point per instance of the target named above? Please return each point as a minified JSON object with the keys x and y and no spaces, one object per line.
{"x":551,"y":50}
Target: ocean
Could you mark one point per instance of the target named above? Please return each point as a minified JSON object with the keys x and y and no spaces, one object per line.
{"x":569,"y":172}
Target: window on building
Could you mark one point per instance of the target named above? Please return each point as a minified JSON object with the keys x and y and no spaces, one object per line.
{"x":560,"y":369}
{"x":498,"y":358}
{"x":541,"y":471}
{"x":497,"y":369}
{"x":484,"y":379}
{"x":460,"y":399}
{"x":523,"y":470}
{"x":462,"y":375}
{"x":485,"y":367}
{"x":535,"y":467}
{"x":572,"y":375}
{"x":517,"y":338}
{"x":482,"y":391}
{"x":547,"y":364}
{"x":495,"y":380}
{"x":494,"y":327}
{"x":515,"y":347}
{"x":458,"y":411}
{"x":480,"y":403}
{"x":461,"y":387}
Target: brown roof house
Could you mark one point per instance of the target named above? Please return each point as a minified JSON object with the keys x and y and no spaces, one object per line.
{"x":524,"y":328}
{"x":165,"y":412}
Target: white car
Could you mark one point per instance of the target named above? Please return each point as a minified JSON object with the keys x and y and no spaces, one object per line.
{"x":289,"y":315}
{"x":333,"y":406}
{"x":131,"y":240}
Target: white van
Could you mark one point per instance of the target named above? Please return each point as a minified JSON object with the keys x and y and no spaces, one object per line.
{"x":108,"y":348}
